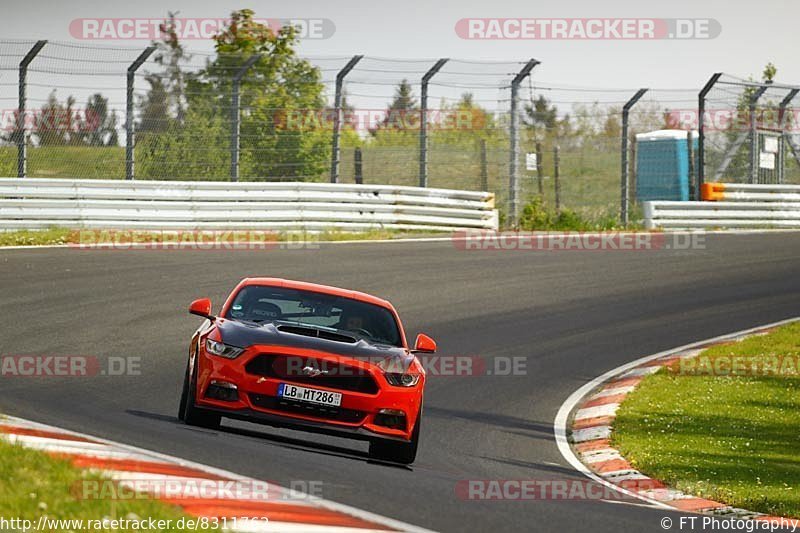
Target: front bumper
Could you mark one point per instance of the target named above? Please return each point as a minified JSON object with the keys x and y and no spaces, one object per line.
{"x":258,"y":401}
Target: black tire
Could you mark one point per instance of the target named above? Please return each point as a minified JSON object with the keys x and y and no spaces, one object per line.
{"x":184,"y":394}
{"x":396,"y":451}
{"x":191,"y":414}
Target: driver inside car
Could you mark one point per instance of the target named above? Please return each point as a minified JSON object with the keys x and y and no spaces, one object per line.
{"x":351,"y":321}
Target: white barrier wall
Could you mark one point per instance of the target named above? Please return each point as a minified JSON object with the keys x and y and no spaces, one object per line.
{"x":32,"y":203}
{"x":730,"y":205}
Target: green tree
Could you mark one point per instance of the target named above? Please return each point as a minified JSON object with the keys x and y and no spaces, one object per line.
{"x":56,"y":123}
{"x":400,"y":124}
{"x":197,"y":144}
{"x":98,"y":127}
{"x":279,"y":83}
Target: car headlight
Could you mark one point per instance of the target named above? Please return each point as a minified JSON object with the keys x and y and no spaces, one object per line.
{"x":402,"y":380}
{"x":398,"y":372}
{"x":223,"y":350}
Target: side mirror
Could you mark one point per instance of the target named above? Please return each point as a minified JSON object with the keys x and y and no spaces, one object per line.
{"x":424,"y":344}
{"x":201,"y":307}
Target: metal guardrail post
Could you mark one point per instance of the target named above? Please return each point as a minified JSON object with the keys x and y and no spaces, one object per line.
{"x":22,"y":135}
{"x":423,"y":122}
{"x":235,"y":113}
{"x":337,"y":117}
{"x":624,"y":186}
{"x":513,"y":170}
{"x":130,"y":141}
{"x":701,"y":148}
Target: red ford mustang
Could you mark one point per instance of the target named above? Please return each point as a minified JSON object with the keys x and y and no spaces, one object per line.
{"x":309,"y":357}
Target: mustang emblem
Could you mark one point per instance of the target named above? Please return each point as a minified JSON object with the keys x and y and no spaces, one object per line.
{"x":312,"y":372}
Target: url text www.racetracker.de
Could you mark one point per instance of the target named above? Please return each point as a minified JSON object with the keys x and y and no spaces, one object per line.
{"x":129,"y":523}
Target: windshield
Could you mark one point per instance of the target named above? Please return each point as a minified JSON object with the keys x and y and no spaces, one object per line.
{"x":262,"y":304}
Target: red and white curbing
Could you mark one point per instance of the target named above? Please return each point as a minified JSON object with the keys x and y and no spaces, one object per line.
{"x":584,"y":437}
{"x":286,"y":510}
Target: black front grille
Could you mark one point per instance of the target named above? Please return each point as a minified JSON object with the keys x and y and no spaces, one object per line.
{"x":337,"y":414}
{"x":290,"y":368}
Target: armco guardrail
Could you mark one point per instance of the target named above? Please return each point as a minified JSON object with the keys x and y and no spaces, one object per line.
{"x":730,"y":205}
{"x":40,"y":203}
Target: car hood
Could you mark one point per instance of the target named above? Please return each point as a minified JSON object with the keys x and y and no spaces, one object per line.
{"x":242,"y":335}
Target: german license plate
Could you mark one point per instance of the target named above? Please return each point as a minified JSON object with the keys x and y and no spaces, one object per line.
{"x":304,"y":394}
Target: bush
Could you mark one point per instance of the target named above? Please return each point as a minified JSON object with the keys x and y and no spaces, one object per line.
{"x":536,"y":216}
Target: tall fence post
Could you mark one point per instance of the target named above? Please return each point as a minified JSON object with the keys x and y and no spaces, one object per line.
{"x":358,"y":171}
{"x":539,"y":170}
{"x":22,"y":135}
{"x":701,"y":136}
{"x":754,"y":151}
{"x":513,"y":170}
{"x":337,"y":117}
{"x":690,"y":154}
{"x":787,"y":139}
{"x":782,"y":108}
{"x":624,"y":185}
{"x":130,"y":141}
{"x":556,"y":178}
{"x":423,"y":122}
{"x":235,"y":114}
{"x":484,"y":166}
{"x":632,"y":169}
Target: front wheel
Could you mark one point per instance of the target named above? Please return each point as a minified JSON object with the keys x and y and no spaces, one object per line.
{"x":189,"y":413}
{"x":395,"y":451}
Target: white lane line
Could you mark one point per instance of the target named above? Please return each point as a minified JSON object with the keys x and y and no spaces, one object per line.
{"x":160,"y":457}
{"x":562,"y":417}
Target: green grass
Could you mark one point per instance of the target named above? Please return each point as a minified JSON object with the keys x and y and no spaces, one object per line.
{"x":33,"y":484}
{"x":36,"y":238}
{"x":731,"y":438}
{"x":66,"y":236}
{"x":86,"y":162}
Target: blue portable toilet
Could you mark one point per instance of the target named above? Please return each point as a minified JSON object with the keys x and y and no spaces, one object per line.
{"x":662,"y":164}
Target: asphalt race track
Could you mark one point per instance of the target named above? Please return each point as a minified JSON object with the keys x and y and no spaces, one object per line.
{"x":573,"y":315}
